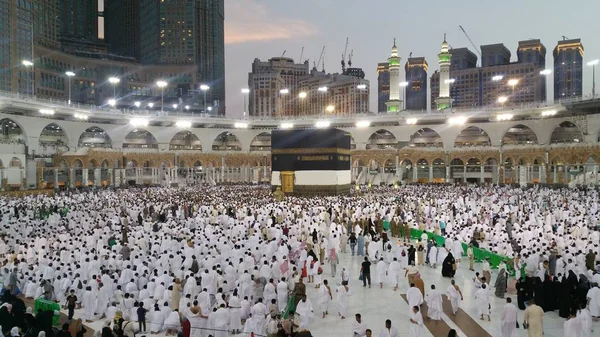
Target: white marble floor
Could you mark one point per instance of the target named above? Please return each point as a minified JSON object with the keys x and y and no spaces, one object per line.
{"x":376,"y":305}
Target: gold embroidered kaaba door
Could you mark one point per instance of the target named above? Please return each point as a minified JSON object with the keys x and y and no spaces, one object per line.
{"x":287,"y":181}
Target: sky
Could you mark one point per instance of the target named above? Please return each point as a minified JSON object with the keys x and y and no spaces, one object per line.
{"x":266,"y":28}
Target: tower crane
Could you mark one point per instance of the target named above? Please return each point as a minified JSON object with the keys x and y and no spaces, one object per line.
{"x":344,"y":57}
{"x":350,"y":58}
{"x":282,"y":55}
{"x":473,"y":44}
{"x":301,"y":54}
{"x":565,"y":38}
{"x":320,"y":58}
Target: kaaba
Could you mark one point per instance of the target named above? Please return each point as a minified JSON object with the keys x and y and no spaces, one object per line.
{"x":311,"y":162}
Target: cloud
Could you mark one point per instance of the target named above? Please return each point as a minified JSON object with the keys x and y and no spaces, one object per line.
{"x":249,"y":21}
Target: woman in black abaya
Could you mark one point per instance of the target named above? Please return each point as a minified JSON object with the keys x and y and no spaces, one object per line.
{"x":521,"y":292}
{"x":564,"y":299}
{"x":449,"y":265}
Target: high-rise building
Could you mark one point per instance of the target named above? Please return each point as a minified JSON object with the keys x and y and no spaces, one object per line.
{"x":24,"y":24}
{"x":383,"y":86}
{"x":394,"y":104}
{"x":533,"y":51}
{"x":462,"y":58}
{"x":168,"y":32}
{"x":210,"y":49}
{"x":473,"y":87}
{"x":122,"y":28}
{"x":416,"y":88}
{"x":494,"y":55}
{"x":82,"y":26}
{"x":568,"y":69}
{"x":333,"y":94}
{"x":266,"y":81}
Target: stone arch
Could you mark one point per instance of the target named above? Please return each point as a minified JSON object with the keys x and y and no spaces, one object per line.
{"x":15,"y":162}
{"x":423,"y":162}
{"x":77,"y":164}
{"x":92,"y":164}
{"x":197,"y":163}
{"x":472,"y":136}
{"x":359,"y":163}
{"x":426,"y":137}
{"x":261,"y":142}
{"x":185,"y":140}
{"x":566,"y":132}
{"x":519,"y":134}
{"x":12,"y":131}
{"x":226,"y":141}
{"x":382,"y":139}
{"x":105,"y":164}
{"x":140,"y":139}
{"x":94,"y":137}
{"x":131,"y":163}
{"x":53,"y":138}
{"x":63,"y":165}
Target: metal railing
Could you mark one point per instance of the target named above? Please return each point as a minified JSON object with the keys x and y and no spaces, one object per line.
{"x":155,"y":112}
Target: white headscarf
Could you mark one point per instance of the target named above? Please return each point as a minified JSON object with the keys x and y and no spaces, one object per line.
{"x":14,"y":331}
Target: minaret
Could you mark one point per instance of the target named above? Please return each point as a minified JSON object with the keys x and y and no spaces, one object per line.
{"x":394,"y":104}
{"x":444,"y":101}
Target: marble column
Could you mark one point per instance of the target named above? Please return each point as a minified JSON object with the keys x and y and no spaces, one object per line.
{"x":55,"y":179}
{"x":482,"y":176}
{"x":430,"y":173}
{"x":97,"y":177}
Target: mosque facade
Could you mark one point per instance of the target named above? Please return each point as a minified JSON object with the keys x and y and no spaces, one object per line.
{"x":545,"y":144}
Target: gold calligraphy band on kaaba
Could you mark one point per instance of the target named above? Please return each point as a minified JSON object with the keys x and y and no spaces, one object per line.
{"x":309,"y":151}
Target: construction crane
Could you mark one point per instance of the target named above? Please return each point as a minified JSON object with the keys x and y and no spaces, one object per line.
{"x":344,"y":57}
{"x":320,"y":58}
{"x":282,"y":55}
{"x":410,"y":55}
{"x":350,"y":58}
{"x":565,"y":38}
{"x":301,"y":54}
{"x":473,"y":44}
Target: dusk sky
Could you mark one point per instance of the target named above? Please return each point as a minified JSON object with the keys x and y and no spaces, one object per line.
{"x":265,"y":28}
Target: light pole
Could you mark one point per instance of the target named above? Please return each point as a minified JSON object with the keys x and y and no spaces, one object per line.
{"x":546,"y":73}
{"x":114,"y":81}
{"x":69,"y":75}
{"x":323,"y":91}
{"x":204,"y":89}
{"x":162,"y":85}
{"x":512,"y":83}
{"x":302,"y":95}
{"x":28,"y":64}
{"x":245,"y":92}
{"x":449,"y":82}
{"x":282,"y":93}
{"x":593,"y":64}
{"x":403,"y":85}
{"x":502,"y":100}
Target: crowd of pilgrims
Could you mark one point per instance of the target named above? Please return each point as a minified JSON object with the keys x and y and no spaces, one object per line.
{"x":206,"y":261}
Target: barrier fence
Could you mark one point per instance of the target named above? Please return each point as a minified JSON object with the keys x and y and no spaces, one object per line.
{"x":479,"y":254}
{"x":44,"y":305}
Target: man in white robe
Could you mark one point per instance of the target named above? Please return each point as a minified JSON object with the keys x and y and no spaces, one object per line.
{"x":220,"y":322}
{"x":483,"y":302}
{"x":89,"y":304}
{"x":305,"y":310}
{"x":454,"y":295}
{"x":509,"y":319}
{"x":414,"y":297}
{"x":282,"y":294}
{"x":434,"y":304}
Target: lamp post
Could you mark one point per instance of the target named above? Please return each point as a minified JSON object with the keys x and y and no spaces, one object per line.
{"x":449,"y":82}
{"x":546,"y":73}
{"x":114,"y":81}
{"x":403,"y":85}
{"x":593,"y":64}
{"x":302,"y":95}
{"x":69,"y":75}
{"x":162,"y":85}
{"x":323,"y":91}
{"x":245,"y":91}
{"x":502,"y":100}
{"x":28,"y":64}
{"x":512,"y":83}
{"x":204,"y":89}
